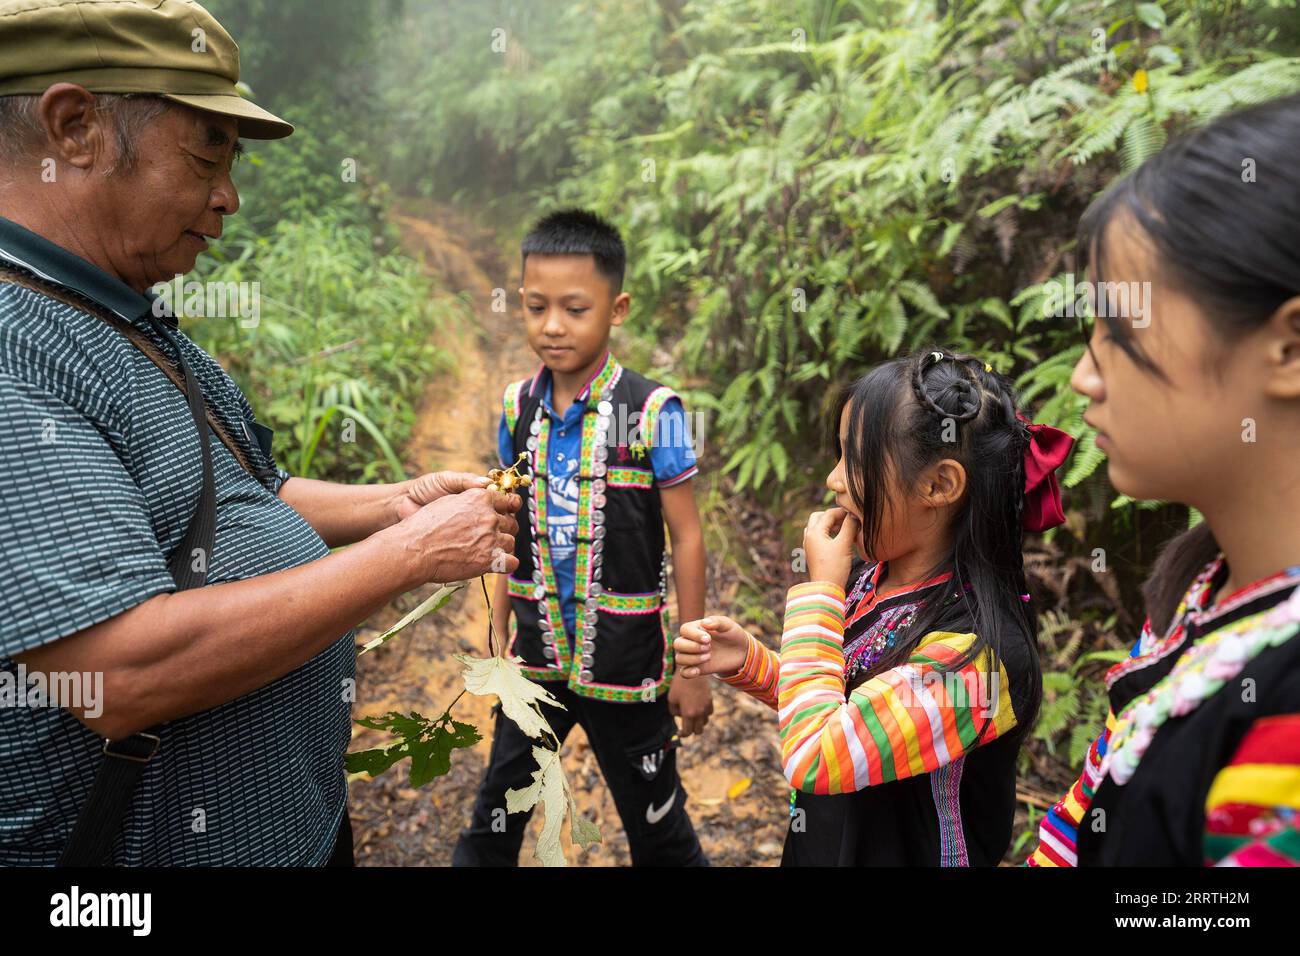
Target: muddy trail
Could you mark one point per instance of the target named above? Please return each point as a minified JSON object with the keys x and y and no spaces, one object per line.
{"x":737,"y":796}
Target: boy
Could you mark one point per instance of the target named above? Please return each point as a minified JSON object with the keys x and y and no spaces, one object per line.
{"x":611,"y":461}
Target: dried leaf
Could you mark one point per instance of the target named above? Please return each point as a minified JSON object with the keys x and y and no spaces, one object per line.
{"x":550,"y":787}
{"x":519,"y":696}
{"x":739,"y":787}
{"x":437,"y":600}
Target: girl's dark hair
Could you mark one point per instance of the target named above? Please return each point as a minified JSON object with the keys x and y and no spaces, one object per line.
{"x":1230,"y":240}
{"x":904,"y":416}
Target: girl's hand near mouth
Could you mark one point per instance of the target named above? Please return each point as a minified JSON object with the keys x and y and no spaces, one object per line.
{"x":829,"y":541}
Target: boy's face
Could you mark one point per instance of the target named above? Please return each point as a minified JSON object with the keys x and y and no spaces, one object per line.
{"x":569,"y":309}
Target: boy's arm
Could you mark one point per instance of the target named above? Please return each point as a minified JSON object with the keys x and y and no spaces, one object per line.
{"x":690,"y":700}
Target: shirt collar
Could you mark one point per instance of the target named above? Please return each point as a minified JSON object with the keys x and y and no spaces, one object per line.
{"x":543,"y":380}
{"x":1208,"y":614}
{"x":27,"y":250}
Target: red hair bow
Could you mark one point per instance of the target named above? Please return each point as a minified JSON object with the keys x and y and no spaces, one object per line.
{"x":1047,"y":450}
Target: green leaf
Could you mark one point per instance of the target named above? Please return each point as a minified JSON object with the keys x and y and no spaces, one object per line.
{"x":1152,"y":15}
{"x":428,"y":743}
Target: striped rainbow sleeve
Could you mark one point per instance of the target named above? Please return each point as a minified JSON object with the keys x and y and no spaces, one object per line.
{"x":757,"y":676}
{"x":905,"y":722}
{"x":1252,"y":811}
{"x":1059,"y":831}
{"x":1058,"y":834}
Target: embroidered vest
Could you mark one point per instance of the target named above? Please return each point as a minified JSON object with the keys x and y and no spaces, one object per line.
{"x":620,"y":651}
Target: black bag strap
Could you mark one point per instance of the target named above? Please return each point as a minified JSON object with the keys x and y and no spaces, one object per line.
{"x":195,"y":549}
{"x":101,"y":817}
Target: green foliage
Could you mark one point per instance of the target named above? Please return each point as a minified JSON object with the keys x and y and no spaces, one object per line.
{"x":1074,"y":700}
{"x":811,"y":187}
{"x":428,"y":743}
{"x":343,"y":349}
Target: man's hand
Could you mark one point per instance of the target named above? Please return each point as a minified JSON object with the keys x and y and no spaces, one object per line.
{"x":460,"y":536}
{"x":428,"y":488}
{"x":691,"y":702}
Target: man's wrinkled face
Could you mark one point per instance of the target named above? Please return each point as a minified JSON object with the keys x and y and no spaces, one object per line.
{"x":165,"y":208}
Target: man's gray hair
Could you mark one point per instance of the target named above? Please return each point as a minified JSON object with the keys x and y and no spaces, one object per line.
{"x":21,"y":134}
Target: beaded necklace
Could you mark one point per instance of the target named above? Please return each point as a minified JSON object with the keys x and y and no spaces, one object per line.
{"x":1202,"y":672}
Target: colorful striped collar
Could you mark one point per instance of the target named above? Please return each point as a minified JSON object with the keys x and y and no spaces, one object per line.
{"x":1198,"y":608}
{"x":865,"y":594}
{"x":595,"y":385}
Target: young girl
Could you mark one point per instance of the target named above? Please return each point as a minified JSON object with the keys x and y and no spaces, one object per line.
{"x":1199,"y":402}
{"x":903,"y":702}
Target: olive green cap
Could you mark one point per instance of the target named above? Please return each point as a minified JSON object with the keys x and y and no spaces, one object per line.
{"x":172,"y":48}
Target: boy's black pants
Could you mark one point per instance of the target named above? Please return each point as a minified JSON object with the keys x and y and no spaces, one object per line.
{"x":635,"y":745}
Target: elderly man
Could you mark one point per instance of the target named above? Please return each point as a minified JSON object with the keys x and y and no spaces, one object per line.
{"x":149,"y":547}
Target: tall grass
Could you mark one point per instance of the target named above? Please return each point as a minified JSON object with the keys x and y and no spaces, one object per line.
{"x":343,"y":349}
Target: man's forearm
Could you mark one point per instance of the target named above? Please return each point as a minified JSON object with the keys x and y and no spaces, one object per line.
{"x":343,"y":514}
{"x":177,"y":654}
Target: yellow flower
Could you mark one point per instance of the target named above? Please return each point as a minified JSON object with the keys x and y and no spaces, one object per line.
{"x":1140,"y":81}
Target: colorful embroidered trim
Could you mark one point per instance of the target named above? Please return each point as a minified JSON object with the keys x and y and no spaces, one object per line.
{"x":551,"y":606}
{"x":521,"y":589}
{"x":654,"y":404}
{"x":1197,"y":597}
{"x":1058,"y":833}
{"x":606,"y":378}
{"x":630,"y":603}
{"x":629,"y":478}
{"x":510,"y":403}
{"x":945,"y":787}
{"x":1201,"y":672}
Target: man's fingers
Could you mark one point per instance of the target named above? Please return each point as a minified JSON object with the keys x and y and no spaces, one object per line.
{"x":506,"y":503}
{"x":507,"y":524}
{"x":454,"y":482}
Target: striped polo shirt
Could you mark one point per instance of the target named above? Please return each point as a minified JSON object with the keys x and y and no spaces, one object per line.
{"x":100,"y":474}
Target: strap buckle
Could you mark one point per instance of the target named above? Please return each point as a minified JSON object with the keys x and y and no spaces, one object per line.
{"x":154,"y":739}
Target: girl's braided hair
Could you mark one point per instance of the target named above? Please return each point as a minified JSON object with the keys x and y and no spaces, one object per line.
{"x":904,"y":416}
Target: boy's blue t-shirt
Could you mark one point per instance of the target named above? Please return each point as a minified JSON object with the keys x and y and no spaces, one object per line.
{"x":672,"y":464}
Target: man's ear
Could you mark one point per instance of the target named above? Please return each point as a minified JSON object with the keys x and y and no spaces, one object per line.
{"x":1282,"y":368}
{"x":622,"y":303}
{"x":74,"y":130}
{"x":943,"y":484}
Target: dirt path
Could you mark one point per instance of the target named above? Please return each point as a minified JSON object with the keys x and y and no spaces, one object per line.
{"x":732,"y":774}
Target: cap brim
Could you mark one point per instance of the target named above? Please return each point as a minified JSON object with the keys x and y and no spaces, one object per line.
{"x":254,"y":122}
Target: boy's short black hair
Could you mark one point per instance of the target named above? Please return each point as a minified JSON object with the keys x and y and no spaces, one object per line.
{"x":578,"y":232}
